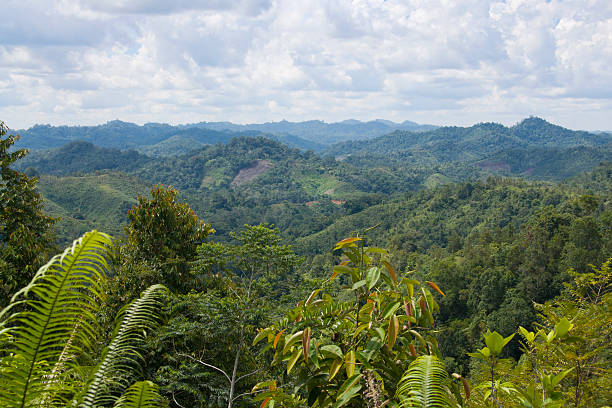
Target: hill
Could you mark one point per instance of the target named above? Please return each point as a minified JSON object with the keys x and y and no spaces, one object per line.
{"x":533,"y":148}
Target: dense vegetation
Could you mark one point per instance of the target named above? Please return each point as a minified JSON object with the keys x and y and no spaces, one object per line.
{"x":485,"y":292}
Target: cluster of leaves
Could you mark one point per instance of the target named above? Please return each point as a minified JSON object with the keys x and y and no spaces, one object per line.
{"x":49,"y":330}
{"x":363,"y":346}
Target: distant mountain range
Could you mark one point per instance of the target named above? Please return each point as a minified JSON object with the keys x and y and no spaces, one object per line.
{"x":158,"y":139}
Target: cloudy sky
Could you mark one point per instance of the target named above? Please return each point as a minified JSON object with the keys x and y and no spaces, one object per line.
{"x":183,"y":61}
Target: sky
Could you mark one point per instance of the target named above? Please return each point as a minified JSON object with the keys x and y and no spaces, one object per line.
{"x":444,"y":62}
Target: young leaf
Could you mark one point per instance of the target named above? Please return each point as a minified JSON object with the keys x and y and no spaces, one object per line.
{"x":392,"y":331}
{"x":435,"y":287}
{"x":306,"y":343}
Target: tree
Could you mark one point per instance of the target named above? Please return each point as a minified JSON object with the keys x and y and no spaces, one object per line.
{"x":26,"y":234}
{"x":208,"y":359}
{"x":162,"y":238}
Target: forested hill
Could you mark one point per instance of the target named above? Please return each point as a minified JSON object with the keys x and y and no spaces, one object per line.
{"x":160,"y":139}
{"x":533,"y":147}
{"x":322,"y":132}
{"x":154,"y":139}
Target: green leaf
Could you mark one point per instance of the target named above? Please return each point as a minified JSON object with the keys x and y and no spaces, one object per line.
{"x":349,"y":363}
{"x":563,"y":327}
{"x":372,"y":277}
{"x":347,"y":390}
{"x":295,"y":337}
{"x":143,"y":394}
{"x":392,"y":331}
{"x":332,"y":349}
{"x":390,"y":309}
{"x":358,"y":284}
{"x":293,"y":359}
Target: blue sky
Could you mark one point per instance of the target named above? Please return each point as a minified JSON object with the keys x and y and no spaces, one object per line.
{"x":430,"y":61}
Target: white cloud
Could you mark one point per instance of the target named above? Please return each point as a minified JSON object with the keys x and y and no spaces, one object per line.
{"x":435,"y":61}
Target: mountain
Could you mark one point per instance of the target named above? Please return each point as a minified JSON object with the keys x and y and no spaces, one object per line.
{"x":532,"y":147}
{"x":153,"y":139}
{"x":160,"y":139}
{"x":322,"y":132}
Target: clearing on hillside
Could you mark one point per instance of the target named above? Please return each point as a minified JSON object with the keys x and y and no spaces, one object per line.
{"x":249,"y":173}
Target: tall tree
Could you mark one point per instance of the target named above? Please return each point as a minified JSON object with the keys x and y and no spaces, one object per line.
{"x":26,"y":234}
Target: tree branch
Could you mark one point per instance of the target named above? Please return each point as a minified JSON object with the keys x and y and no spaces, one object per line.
{"x":207,"y":365}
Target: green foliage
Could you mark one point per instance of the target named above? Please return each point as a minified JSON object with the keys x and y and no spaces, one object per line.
{"x":26,"y":235}
{"x":425,"y":384}
{"x":370,"y":334}
{"x":40,"y":343}
{"x":120,"y":361}
{"x":162,"y":238}
{"x":52,"y":325}
{"x":140,"y":395}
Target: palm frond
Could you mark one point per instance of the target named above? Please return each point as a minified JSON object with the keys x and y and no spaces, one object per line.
{"x":143,"y":394}
{"x":50,"y":321}
{"x":122,"y":358}
{"x":424,"y":384}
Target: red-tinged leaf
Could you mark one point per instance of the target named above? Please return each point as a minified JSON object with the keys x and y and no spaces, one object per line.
{"x":413,"y":350}
{"x":277,"y":338}
{"x":346,"y":241}
{"x":435,"y":287}
{"x":408,"y":308}
{"x":264,"y":403}
{"x":298,"y":318}
{"x":391,"y":271}
{"x":466,"y":386}
{"x":423,"y":303}
{"x":392,"y":331}
{"x":306,"y":343}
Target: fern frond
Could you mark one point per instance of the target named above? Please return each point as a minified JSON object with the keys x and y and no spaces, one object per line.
{"x":121,"y":359}
{"x":143,"y":394}
{"x":424,"y":384}
{"x":51,"y":320}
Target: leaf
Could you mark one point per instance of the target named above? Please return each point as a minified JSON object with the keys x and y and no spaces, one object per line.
{"x":391,"y":271}
{"x":271,"y":384}
{"x":372,"y":347}
{"x":392,"y":331}
{"x":346,"y":242}
{"x":295,"y":337}
{"x":563,"y":327}
{"x":390,"y":309}
{"x":372,"y":277}
{"x":306,"y":343}
{"x":260,"y":336}
{"x":293,"y":359}
{"x":349,"y":363}
{"x":333,"y":350}
{"x":435,"y":287}
{"x":277,"y":338}
{"x":358,"y":284}
{"x":334,"y":368}
{"x":312,"y":296}
{"x":57,"y":321}
{"x":339,"y":269}
{"x":495,"y":342}
{"x":424,"y":384}
{"x":143,"y":394}
{"x":348,"y":390}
